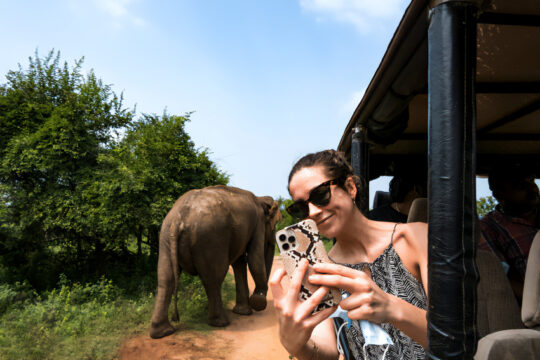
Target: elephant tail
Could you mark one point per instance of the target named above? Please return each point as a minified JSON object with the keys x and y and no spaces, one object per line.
{"x":174,"y":237}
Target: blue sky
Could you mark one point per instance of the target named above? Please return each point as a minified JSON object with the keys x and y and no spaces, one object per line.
{"x":268,"y":80}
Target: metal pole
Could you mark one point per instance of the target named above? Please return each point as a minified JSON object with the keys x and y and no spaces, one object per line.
{"x":452,"y":273}
{"x":360,"y":160}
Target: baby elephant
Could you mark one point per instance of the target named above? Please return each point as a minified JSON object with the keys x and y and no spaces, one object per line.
{"x":206,"y":231}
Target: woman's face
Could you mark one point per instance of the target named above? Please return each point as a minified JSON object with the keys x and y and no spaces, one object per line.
{"x":332,"y":218}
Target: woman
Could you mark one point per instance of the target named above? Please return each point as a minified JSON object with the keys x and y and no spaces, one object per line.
{"x":383,"y":268}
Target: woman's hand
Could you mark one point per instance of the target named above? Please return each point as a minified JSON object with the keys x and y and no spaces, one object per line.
{"x":366,"y":300}
{"x":296,"y":323}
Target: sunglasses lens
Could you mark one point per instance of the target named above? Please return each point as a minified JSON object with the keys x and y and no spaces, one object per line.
{"x":299,"y":210}
{"x":320,"y":196}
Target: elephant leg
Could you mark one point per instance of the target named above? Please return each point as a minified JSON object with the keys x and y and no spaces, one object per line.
{"x":212,"y":280}
{"x":242,"y":291}
{"x":257,"y":267}
{"x":269,"y":259}
{"x":160,"y":318}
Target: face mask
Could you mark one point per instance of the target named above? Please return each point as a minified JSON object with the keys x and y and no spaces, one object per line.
{"x":373,"y":333}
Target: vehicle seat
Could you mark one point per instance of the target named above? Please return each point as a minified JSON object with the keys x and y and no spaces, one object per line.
{"x":497,"y":307}
{"x":418,"y":211}
{"x":518,"y":343}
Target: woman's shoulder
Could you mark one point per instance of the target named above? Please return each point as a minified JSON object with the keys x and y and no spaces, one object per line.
{"x":415,"y":230}
{"x":414,"y":236}
{"x":412,"y":247}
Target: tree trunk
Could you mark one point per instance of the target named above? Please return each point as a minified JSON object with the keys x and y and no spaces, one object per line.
{"x":139,"y":240}
{"x":98,"y":255}
{"x":153,"y":239}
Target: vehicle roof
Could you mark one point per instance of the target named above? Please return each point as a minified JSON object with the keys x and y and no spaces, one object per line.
{"x":394,"y":109}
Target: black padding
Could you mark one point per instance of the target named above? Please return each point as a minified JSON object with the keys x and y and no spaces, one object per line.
{"x":452,"y":273}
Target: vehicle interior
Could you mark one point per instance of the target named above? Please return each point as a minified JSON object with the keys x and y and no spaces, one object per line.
{"x":393,"y":121}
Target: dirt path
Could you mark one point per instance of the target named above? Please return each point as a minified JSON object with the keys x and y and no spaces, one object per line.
{"x":247,"y":337}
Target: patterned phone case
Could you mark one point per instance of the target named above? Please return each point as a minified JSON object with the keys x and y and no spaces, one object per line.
{"x":299,"y":241}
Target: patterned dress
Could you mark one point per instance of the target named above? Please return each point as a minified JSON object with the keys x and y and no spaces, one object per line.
{"x":389,"y":273}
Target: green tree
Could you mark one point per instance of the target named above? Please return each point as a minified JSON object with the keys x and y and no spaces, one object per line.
{"x":54,"y":123}
{"x":485,"y":205}
{"x":154,"y":164}
{"x":287,"y":219}
{"x":80,"y":176}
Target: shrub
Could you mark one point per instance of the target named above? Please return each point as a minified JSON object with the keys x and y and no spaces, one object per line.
{"x":102,"y":291}
{"x":16,"y":294}
{"x":89,"y":321}
{"x":74,"y":321}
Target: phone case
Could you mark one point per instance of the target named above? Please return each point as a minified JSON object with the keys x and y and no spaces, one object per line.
{"x":299,"y":241}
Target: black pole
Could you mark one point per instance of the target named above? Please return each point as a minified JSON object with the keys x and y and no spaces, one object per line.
{"x":360,"y":161}
{"x":452,"y":273}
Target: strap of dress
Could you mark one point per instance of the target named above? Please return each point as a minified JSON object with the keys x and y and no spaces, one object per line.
{"x":393,"y":231}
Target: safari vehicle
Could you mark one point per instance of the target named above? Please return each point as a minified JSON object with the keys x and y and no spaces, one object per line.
{"x":458,"y":87}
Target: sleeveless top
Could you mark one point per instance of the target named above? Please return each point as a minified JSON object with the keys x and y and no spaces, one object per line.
{"x":389,"y":273}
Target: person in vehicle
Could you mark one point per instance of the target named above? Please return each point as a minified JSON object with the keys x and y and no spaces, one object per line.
{"x":406,"y":186}
{"x":381,"y":265}
{"x":508,"y":231}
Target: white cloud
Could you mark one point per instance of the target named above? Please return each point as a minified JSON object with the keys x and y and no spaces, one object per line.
{"x":365,"y":15}
{"x":118,"y":9}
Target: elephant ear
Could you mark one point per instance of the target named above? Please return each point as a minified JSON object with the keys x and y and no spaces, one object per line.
{"x":269,"y":206}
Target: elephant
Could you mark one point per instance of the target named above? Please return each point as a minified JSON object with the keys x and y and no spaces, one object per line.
{"x":205,"y":231}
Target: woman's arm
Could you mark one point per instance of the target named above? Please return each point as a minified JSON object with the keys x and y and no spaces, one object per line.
{"x":303,"y":335}
{"x":368,"y":302}
{"x":409,"y":319}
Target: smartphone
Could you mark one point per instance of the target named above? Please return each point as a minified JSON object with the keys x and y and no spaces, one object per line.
{"x":301,"y":241}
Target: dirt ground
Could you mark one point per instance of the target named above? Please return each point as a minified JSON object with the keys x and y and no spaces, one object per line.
{"x":247,"y":337}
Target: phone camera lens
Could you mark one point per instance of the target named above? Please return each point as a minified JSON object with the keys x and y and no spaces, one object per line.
{"x":282,"y":237}
{"x":291,"y":239}
{"x":285,"y":246}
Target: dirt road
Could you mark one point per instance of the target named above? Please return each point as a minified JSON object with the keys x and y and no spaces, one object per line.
{"x":247,"y":337}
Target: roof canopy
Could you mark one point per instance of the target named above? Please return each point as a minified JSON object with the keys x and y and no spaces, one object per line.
{"x":394,"y":109}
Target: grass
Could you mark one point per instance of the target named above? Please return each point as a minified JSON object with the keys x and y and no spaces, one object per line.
{"x":90,"y":321}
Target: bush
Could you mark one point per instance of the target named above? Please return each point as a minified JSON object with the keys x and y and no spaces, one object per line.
{"x":90,"y":321}
{"x":17,"y":294}
{"x":102,"y":292}
{"x":74,"y":321}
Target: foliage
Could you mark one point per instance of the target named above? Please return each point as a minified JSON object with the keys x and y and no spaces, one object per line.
{"x":287,"y":219}
{"x":18,"y":293}
{"x":84,"y":187}
{"x":80,"y":177}
{"x":485,"y":205}
{"x":147,"y":171}
{"x":89,"y":321}
{"x":54,"y":124}
{"x":75,"y":321}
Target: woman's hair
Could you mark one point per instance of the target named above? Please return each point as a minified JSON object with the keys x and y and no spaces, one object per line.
{"x":335,"y":167}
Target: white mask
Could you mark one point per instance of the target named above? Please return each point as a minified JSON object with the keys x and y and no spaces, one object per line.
{"x":373,"y":334}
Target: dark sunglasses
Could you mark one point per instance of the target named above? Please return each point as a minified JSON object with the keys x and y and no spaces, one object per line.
{"x":318,"y":196}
